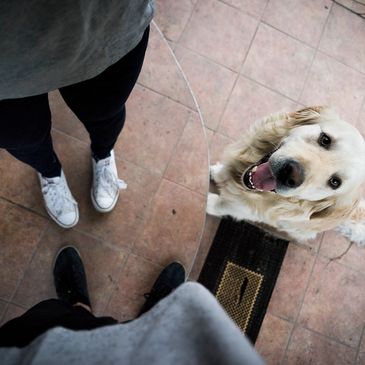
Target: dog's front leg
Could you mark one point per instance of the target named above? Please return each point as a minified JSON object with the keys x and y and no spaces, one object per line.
{"x":217,"y":172}
{"x":354,"y":227}
{"x":219,"y":206}
{"x":216,"y":205}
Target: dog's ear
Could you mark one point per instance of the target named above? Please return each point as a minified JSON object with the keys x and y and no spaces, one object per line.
{"x":305,"y":116}
{"x":330,"y":212}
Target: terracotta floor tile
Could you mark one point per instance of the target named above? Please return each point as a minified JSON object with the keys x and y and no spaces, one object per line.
{"x":219,"y":32}
{"x":136,"y":279}
{"x":12,"y":312}
{"x":102,"y":266}
{"x":291,"y":283}
{"x":174,"y":227}
{"x":189,"y":164}
{"x":278,"y":61}
{"x":273,"y":338}
{"x":154,"y":126}
{"x":161,"y":74}
{"x":120,"y":226}
{"x":303,"y":20}
{"x":334,"y":245}
{"x":20,"y":232}
{"x":172,"y":17}
{"x":253,"y":7}
{"x":212,"y":84}
{"x":334,"y":304}
{"x":19,"y":183}
{"x":248,"y":103}
{"x":343,"y":38}
{"x":210,"y":229}
{"x":334,"y":84}
{"x":307,"y":347}
{"x":218,"y":142}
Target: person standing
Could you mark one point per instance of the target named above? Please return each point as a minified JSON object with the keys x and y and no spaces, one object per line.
{"x":92,"y":51}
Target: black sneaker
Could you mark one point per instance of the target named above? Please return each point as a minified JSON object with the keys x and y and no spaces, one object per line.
{"x":69,"y":277}
{"x":170,"y":278}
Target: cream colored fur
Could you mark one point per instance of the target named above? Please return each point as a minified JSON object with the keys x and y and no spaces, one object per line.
{"x":312,"y":207}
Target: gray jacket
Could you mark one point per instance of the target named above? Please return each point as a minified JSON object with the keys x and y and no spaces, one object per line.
{"x":188,"y":327}
{"x":47,"y":44}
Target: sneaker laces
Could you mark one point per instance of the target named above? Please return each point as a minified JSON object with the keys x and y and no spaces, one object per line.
{"x":59,"y":195}
{"x":106,"y":179}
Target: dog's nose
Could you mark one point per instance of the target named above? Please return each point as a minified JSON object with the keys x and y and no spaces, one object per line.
{"x":290,"y":174}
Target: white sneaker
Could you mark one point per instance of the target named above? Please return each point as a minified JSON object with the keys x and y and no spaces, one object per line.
{"x":60,"y":204}
{"x":106,"y":185}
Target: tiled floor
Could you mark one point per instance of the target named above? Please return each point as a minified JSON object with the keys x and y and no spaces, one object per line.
{"x":243,"y":59}
{"x":162,"y":155}
{"x":248,"y":58}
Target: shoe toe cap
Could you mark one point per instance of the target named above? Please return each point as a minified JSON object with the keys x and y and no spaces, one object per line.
{"x":69,"y":219}
{"x":104,"y":202}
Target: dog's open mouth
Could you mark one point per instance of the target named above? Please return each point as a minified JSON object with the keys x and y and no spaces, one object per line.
{"x":259,"y":176}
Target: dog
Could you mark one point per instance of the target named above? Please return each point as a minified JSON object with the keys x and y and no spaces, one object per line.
{"x":298,"y":173}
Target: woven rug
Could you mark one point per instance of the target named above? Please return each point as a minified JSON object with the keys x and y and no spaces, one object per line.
{"x":241,"y":271}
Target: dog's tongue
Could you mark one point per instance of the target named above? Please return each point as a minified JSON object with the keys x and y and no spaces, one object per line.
{"x":263,"y":178}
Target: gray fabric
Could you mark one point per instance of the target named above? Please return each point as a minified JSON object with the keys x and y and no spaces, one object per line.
{"x":188,"y":327}
{"x":48,"y":44}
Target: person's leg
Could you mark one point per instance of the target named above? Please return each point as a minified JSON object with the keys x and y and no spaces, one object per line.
{"x":99,"y":103}
{"x":25,"y":126}
{"x":19,"y":332}
{"x":71,"y":310}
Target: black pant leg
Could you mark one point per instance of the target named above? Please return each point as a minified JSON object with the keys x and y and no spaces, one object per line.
{"x":25,"y":126}
{"x":99,"y":103}
{"x":19,"y":332}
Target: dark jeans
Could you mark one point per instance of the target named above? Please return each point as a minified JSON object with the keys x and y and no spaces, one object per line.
{"x":19,"y":332}
{"x":99,"y":103}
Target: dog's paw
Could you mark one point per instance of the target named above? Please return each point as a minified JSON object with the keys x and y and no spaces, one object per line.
{"x":354,"y":231}
{"x":215,"y":170}
{"x":212,"y":204}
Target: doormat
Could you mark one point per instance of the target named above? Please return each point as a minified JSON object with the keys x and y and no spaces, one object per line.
{"x":241,"y":271}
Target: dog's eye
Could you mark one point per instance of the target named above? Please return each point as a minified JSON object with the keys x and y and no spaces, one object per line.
{"x":334,"y":182}
{"x":324,"y":140}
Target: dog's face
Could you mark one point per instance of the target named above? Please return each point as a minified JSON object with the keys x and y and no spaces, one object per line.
{"x":317,"y":160}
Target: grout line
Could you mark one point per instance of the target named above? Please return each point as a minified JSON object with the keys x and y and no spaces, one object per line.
{"x":256,"y":16}
{"x":271,"y":89}
{"x":209,"y":59}
{"x":186,"y":24}
{"x":238,"y":75}
{"x":43,"y":233}
{"x":334,"y":56}
{"x":30,"y":210}
{"x":362,"y":336}
{"x":166,"y":96}
{"x":328,"y":337}
{"x":6,"y":306}
{"x":300,"y":308}
{"x":115,"y":284}
{"x":315,"y":53}
{"x":191,"y":92}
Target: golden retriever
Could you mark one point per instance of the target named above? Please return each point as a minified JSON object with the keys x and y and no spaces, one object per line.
{"x":300,"y":173}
